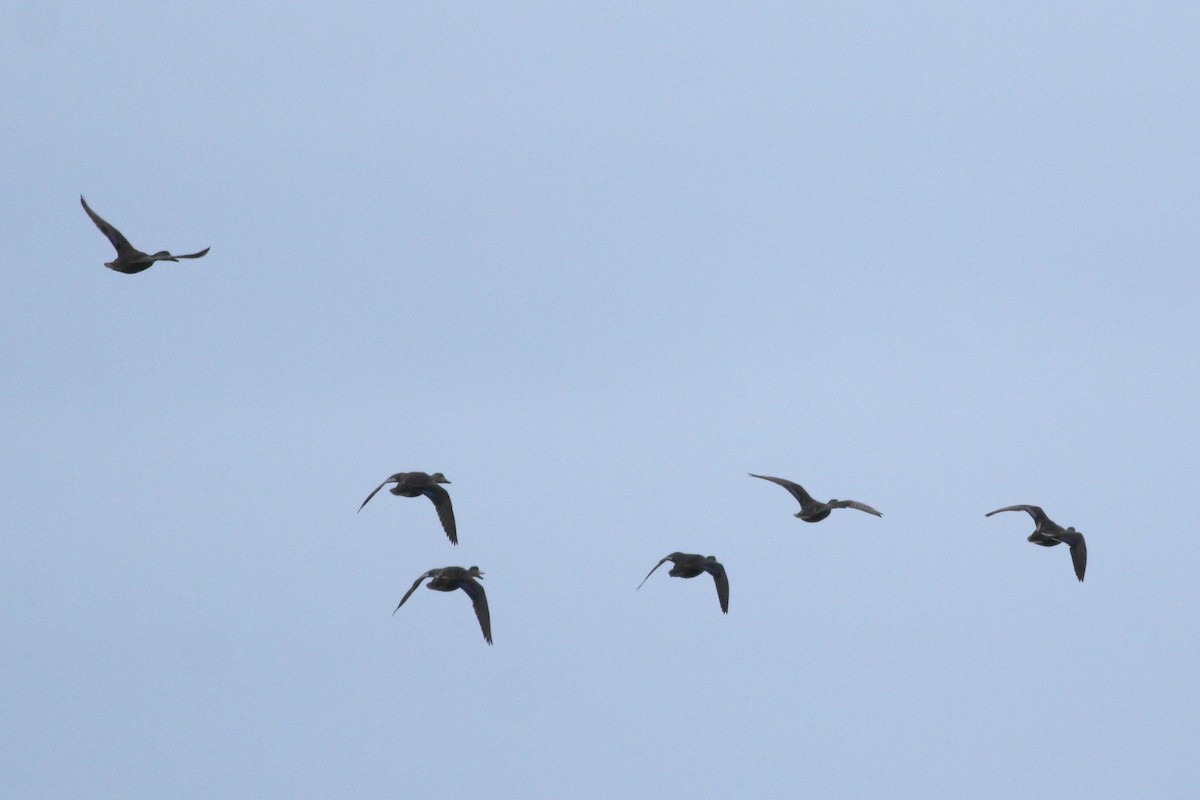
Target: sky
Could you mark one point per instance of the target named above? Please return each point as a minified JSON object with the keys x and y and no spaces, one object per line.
{"x":595,"y":264}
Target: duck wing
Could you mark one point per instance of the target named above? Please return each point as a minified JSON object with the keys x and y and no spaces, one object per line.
{"x":479,"y":600}
{"x":717,"y":570}
{"x":195,"y":255}
{"x":1043,"y":524}
{"x":1078,"y":550}
{"x":392,"y":479}
{"x":651,"y":572}
{"x":855,"y":504}
{"x":430,"y":574}
{"x":118,"y":241}
{"x":445,"y":510}
{"x":1036,"y":512}
{"x":797,"y":491}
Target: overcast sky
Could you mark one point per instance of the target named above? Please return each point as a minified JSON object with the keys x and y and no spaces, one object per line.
{"x":595,"y":264}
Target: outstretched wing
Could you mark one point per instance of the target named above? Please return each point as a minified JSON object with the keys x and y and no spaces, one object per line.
{"x":413,"y":588}
{"x":651,"y":572}
{"x":118,"y":241}
{"x":479,"y":600}
{"x":856,"y":504}
{"x":445,"y":511}
{"x":1038,"y":515}
{"x":195,"y":255}
{"x":1078,"y":550}
{"x":797,"y":491}
{"x":376,"y":491}
{"x":717,"y":570}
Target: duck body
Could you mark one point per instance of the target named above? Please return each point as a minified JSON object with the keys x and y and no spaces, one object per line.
{"x":815,"y":514}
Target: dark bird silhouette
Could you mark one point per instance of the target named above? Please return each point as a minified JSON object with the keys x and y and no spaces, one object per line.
{"x":415,"y":484}
{"x":129,"y":259}
{"x":812,"y":510}
{"x":1048,"y":534}
{"x":689,"y":565}
{"x":447,"y":579}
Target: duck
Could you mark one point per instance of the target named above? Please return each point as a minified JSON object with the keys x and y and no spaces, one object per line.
{"x":447,"y":579}
{"x":813,"y":510}
{"x":129,"y":259}
{"x":1048,"y":533}
{"x":415,"y":484}
{"x":689,"y":565}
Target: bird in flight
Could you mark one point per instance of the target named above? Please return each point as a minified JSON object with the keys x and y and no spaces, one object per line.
{"x":1048,"y":533}
{"x":129,"y":259}
{"x":689,"y":565}
{"x":415,"y":484}
{"x":447,"y":579}
{"x":813,"y":510}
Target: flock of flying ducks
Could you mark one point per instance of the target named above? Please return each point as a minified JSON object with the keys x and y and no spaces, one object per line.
{"x":1046,"y":532}
{"x":684,"y":565}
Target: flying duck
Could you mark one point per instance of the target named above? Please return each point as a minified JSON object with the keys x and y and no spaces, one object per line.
{"x":447,"y":579}
{"x":689,"y":565}
{"x":812,"y":510}
{"x":415,"y":484}
{"x":129,"y":259}
{"x":1048,"y":533}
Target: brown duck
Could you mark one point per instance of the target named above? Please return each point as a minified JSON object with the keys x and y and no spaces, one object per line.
{"x":415,"y":484}
{"x":1048,"y":533}
{"x":129,"y":259}
{"x":814,"y":510}
{"x":689,"y":565}
{"x":447,"y":579}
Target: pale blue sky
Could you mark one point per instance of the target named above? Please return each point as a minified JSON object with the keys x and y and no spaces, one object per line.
{"x":595,"y":265}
